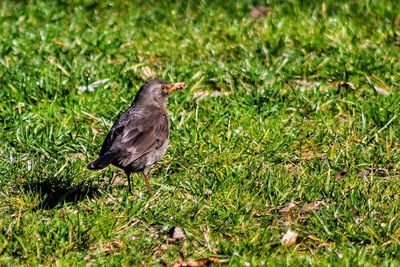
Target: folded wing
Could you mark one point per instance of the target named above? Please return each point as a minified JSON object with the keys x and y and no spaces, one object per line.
{"x":128,"y":140}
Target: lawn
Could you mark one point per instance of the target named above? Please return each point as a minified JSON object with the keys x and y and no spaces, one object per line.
{"x":284,"y":146}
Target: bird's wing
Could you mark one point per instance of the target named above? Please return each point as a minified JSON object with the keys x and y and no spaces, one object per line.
{"x":115,"y":131}
{"x":137,"y":136}
{"x":147,"y":137}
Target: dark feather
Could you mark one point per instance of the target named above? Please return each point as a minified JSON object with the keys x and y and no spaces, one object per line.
{"x":102,"y":162}
{"x":150,"y":137}
{"x":132,"y":137}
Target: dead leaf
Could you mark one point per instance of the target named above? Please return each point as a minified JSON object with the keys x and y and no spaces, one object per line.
{"x":207,"y":192}
{"x":360,"y":219}
{"x":79,"y":156}
{"x":291,"y":167}
{"x":112,"y":199}
{"x":197,"y":262}
{"x":289,"y":238}
{"x":218,"y":260}
{"x":154,"y":231}
{"x":259,"y":11}
{"x":190,"y":263}
{"x":160,"y":252}
{"x":346,"y":85}
{"x":309,"y":154}
{"x":92,"y":86}
{"x":381,"y":172}
{"x":177,"y":234}
{"x":307,"y":85}
{"x":340,"y":174}
{"x":113,"y":246}
{"x":380,"y":86}
{"x":313,"y":206}
{"x":147,"y":73}
{"x":117,"y":60}
{"x":62,"y":213}
{"x":287,"y":208}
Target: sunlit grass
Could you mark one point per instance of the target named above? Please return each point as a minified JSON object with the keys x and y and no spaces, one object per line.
{"x":284,"y":126}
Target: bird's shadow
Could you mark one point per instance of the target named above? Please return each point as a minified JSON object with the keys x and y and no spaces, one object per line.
{"x":54,"y":191}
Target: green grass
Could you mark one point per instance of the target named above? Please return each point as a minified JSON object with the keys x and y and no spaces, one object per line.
{"x":280,"y":132}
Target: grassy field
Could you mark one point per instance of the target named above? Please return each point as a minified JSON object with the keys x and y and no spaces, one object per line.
{"x":290,"y":123}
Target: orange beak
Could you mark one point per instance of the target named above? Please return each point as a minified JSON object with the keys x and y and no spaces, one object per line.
{"x":169,"y":88}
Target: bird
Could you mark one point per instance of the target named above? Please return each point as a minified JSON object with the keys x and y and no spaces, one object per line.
{"x":139,"y":137}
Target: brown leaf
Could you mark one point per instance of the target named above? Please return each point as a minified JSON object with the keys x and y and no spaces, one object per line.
{"x":289,"y":238}
{"x":96,"y":130}
{"x":341,"y":173}
{"x":381,"y":172}
{"x":207,"y":192}
{"x":259,"y":11}
{"x":380,"y":86}
{"x":177,"y":234}
{"x":287,"y":208}
{"x":313,"y":206}
{"x":218,"y":260}
{"x":291,"y":167}
{"x":310,"y":154}
{"x":307,"y":83}
{"x":62,"y":213}
{"x":147,"y":73}
{"x":346,"y":85}
{"x":113,"y":246}
{"x":361,"y":218}
{"x":199,"y":262}
{"x":111,"y":200}
{"x":79,"y":156}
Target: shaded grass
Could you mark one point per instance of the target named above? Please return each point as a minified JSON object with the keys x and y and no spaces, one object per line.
{"x":235,"y":161}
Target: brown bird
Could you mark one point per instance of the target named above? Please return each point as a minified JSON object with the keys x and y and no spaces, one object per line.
{"x":140,"y":136}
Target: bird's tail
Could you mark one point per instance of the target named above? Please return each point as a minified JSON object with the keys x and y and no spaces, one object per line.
{"x":102,"y":162}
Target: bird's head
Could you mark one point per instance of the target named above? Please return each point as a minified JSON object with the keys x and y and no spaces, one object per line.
{"x":157,"y":90}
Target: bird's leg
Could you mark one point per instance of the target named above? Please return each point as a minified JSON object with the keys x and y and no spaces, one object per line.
{"x":146,"y":181}
{"x":128,"y":174}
